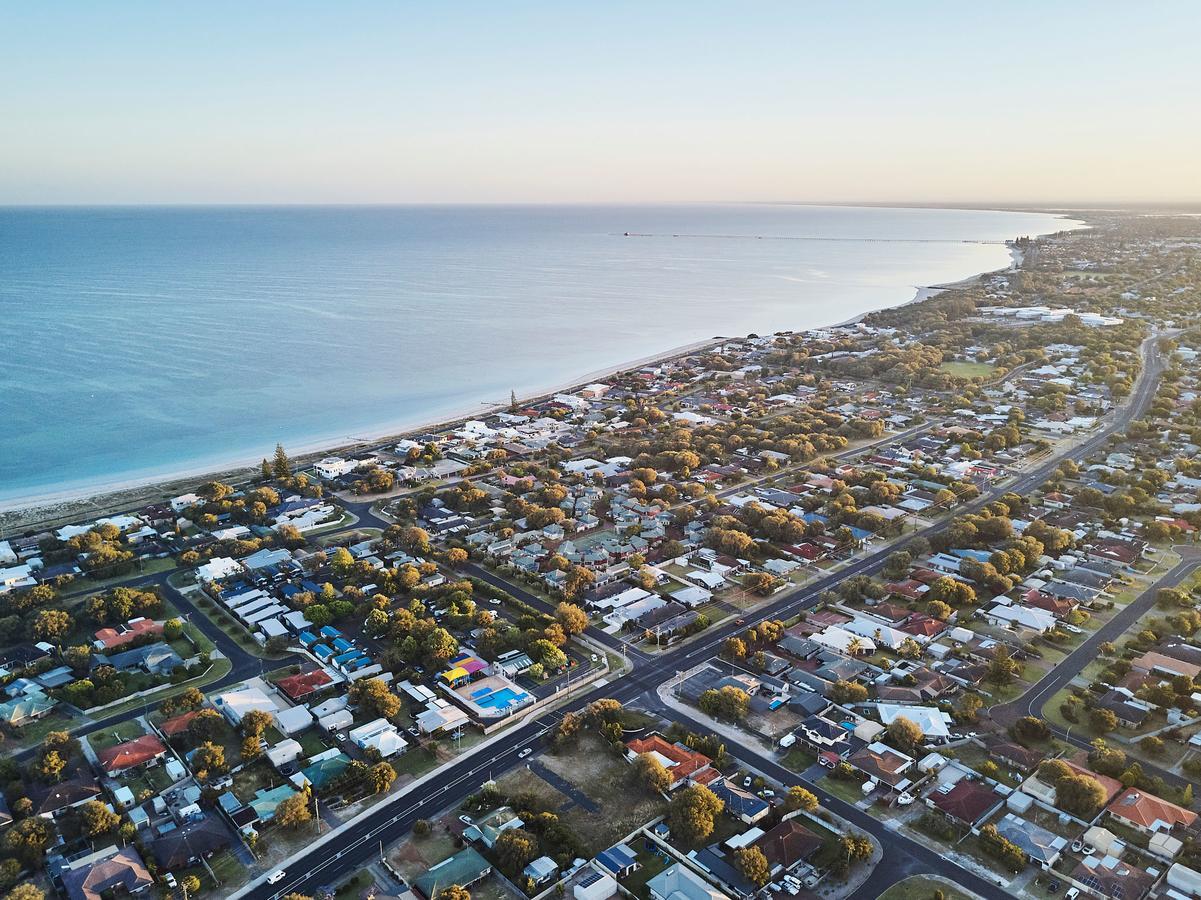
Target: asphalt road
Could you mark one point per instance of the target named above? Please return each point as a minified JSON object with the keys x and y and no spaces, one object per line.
{"x":357,"y":843}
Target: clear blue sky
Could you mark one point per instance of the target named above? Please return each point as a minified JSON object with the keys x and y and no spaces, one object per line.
{"x":134,"y":102}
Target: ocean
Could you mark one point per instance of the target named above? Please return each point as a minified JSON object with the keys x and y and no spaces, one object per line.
{"x":145,"y":342}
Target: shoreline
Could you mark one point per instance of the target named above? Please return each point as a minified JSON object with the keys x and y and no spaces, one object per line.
{"x":68,"y":502}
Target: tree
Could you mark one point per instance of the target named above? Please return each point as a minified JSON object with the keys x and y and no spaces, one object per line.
{"x":1081,"y":795}
{"x":939,"y":610}
{"x":800,"y":798}
{"x":252,"y":748}
{"x":28,"y":839}
{"x":848,"y":692}
{"x":905,"y":734}
{"x":733,"y":648}
{"x":514,"y":849}
{"x":26,"y":891}
{"x":50,"y":767}
{"x":97,"y":819}
{"x":729,"y":703}
{"x":190,"y":884}
{"x":439,"y":646}
{"x":1101,"y":720}
{"x":209,"y":758}
{"x":691,"y":814}
{"x":968,"y":707}
{"x":206,"y":725}
{"x":453,"y":892}
{"x":571,"y":618}
{"x":373,"y":696}
{"x":1002,"y":668}
{"x":172,"y":629}
{"x":650,"y":774}
{"x":382,"y":775}
{"x":1031,"y":729}
{"x":51,"y":625}
{"x":256,"y":722}
{"x":281,"y":466}
{"x":760,"y":583}
{"x":294,"y":811}
{"x":753,"y":865}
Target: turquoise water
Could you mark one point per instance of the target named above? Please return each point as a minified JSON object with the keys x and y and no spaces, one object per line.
{"x":502,"y":698}
{"x":146,"y":341}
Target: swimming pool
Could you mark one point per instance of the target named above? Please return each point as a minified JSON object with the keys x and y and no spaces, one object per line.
{"x":501,"y":698}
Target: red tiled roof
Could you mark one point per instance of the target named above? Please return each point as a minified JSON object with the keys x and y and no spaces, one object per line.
{"x":178,"y":724}
{"x":1146,"y":809}
{"x":687,"y":762}
{"x":297,"y":686}
{"x":967,"y":801}
{"x":132,"y":753}
{"x":111,"y":637}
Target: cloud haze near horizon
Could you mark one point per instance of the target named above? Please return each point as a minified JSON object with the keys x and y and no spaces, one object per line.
{"x":366,"y":102}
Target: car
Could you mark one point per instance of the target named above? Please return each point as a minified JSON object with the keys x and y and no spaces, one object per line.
{"x":1071,"y":894}
{"x":277,"y":876}
{"x":466,"y":820}
{"x":827,"y":760}
{"x":792,"y":888}
{"x":169,"y":880}
{"x":740,"y":621}
{"x":767,"y":793}
{"x":905,"y":798}
{"x":526,"y":752}
{"x":746,"y":782}
{"x":494,"y":601}
{"x":595,"y":658}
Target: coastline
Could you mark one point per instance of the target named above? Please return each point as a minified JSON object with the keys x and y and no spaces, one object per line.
{"x":69,"y":502}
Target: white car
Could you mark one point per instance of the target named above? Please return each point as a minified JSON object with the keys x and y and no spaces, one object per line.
{"x":494,"y":601}
{"x":526,"y":752}
{"x":277,"y":876}
{"x":1071,"y":894}
{"x":169,"y":880}
{"x":466,"y":820}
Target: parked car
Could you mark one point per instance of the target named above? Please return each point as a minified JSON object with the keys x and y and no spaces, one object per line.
{"x":277,"y":876}
{"x":526,"y":752}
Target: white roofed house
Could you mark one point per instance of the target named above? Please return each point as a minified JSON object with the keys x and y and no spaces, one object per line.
{"x":380,"y":735}
{"x":843,"y":641}
{"x":1028,"y":617}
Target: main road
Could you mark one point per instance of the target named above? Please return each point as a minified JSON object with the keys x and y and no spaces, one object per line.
{"x":359,"y":841}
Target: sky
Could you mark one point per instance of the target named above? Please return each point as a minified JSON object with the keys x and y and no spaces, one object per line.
{"x":397,"y":102}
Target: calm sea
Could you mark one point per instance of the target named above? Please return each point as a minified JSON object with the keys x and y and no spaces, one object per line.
{"x":142,"y":341}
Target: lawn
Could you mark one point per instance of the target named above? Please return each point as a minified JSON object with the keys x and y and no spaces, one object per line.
{"x":650,"y":863}
{"x":33,"y":734}
{"x":923,"y":887}
{"x":963,"y":369}
{"x":107,"y":738}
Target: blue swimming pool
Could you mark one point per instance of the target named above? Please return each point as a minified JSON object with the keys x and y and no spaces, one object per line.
{"x":498,"y":699}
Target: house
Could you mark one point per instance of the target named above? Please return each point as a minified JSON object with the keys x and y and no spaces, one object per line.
{"x":189,"y":843}
{"x":1041,"y":846}
{"x":592,"y":884}
{"x":1148,"y":813}
{"x":681,"y":762}
{"x":286,"y":751}
{"x":143,"y":751}
{"x":1159,"y":664}
{"x":53,"y":800}
{"x":20,"y":711}
{"x":541,"y":870}
{"x":236,"y":703}
{"x":488,"y":828}
{"x":1109,"y":876}
{"x":265,"y":801}
{"x":106,"y":873}
{"x":297,"y":687}
{"x":788,"y":844}
{"x":741,"y":804}
{"x":965,"y":801}
{"x":933,"y":722}
{"x":465,"y":868}
{"x":380,"y":735}
{"x":619,"y":860}
{"x":886,"y":765}
{"x":678,"y":882}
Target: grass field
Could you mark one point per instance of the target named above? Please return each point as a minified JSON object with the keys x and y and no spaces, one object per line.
{"x":962,"y":369}
{"x":920,"y":887}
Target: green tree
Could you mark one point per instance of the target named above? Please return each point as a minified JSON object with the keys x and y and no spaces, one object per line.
{"x":905,"y":734}
{"x":1081,"y":795}
{"x":1102,"y":721}
{"x":51,"y":625}
{"x":374,"y":697}
{"x":208,"y":759}
{"x":453,"y":892}
{"x":848,"y":692}
{"x":294,"y":811}
{"x":382,"y":775}
{"x":800,"y":798}
{"x":190,"y":884}
{"x":650,"y":774}
{"x":97,"y":819}
{"x":753,"y":865}
{"x":514,"y":850}
{"x":571,"y":618}
{"x":256,"y":722}
{"x":281,"y":467}
{"x":692,"y":813}
{"x":729,"y":702}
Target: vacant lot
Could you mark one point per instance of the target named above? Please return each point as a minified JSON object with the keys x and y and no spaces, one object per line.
{"x":962,"y":369}
{"x":921,"y":887}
